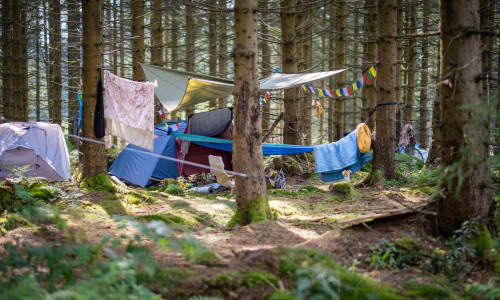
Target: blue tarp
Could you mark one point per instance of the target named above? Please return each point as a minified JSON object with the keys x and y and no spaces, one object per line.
{"x":227,"y":145}
{"x":137,"y":167}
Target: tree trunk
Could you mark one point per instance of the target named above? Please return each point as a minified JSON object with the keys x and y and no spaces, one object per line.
{"x":251,"y":199}
{"x":94,"y":154}
{"x":190,"y":46}
{"x":265,"y":67}
{"x":383,"y":155}
{"x":25,"y":62}
{"x":212,"y":47}
{"x":223,"y":48}
{"x":424,"y":81}
{"x":138,"y":49}
{"x":465,"y":190}
{"x":157,"y":46}
{"x":355,"y":105}
{"x":7,"y":63}
{"x":55,"y":49}
{"x":409,"y":116}
{"x":18,"y":61}
{"x":291,"y":124}
{"x":331,"y":83}
{"x":37,"y":66}
{"x":435,"y":147}
{"x":74,"y":38}
{"x":371,"y":56}
{"x":48,"y":64}
{"x":340,"y":104}
{"x":399,"y":69}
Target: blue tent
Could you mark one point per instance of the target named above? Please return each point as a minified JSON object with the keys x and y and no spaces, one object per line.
{"x":137,"y":166}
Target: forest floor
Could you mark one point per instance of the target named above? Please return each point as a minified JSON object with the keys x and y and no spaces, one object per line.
{"x":221,"y":260}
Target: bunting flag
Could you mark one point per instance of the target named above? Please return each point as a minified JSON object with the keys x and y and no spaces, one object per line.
{"x":178,"y":120}
{"x":268,"y":94}
{"x":345,"y":91}
{"x":311,"y":89}
{"x":324,"y":101}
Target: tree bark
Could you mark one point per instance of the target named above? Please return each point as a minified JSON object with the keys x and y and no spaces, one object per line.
{"x":157,"y":46}
{"x":55,"y":49}
{"x":138,"y":48}
{"x":7,"y":63}
{"x":74,"y":38}
{"x":424,"y":81}
{"x":190,"y":46}
{"x":340,"y":104}
{"x":265,"y":67}
{"x":369,"y":100}
{"x":291,"y":124}
{"x":94,"y":154}
{"x":465,"y":191}
{"x":409,"y":116}
{"x":251,"y":199}
{"x":383,"y":155}
{"x":223,"y":57}
{"x":212,"y":47}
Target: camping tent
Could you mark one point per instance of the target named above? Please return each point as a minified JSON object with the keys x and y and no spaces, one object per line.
{"x":215,"y":123}
{"x":138,"y":165}
{"x":39,"y":146}
{"x":177,"y":89}
{"x":141,"y":167}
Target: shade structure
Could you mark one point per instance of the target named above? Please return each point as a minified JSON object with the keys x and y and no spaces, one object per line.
{"x":178,"y":89}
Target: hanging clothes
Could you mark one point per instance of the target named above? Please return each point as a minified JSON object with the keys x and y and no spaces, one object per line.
{"x":129,"y":110}
{"x":406,"y":135}
{"x":332,"y":159}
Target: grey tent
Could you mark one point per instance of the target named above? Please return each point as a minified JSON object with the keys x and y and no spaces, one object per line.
{"x":39,"y":146}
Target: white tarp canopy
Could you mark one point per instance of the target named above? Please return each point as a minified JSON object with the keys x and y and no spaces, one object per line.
{"x":39,"y":146}
{"x":177,"y":89}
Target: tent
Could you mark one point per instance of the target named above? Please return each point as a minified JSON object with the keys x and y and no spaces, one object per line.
{"x":178,"y":89}
{"x":141,"y":166}
{"x":216,"y":124}
{"x":39,"y":146}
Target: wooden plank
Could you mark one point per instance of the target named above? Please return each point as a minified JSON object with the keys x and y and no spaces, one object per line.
{"x":389,"y":213}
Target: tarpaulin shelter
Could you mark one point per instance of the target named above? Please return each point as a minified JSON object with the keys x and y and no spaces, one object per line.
{"x":178,"y":89}
{"x":139,"y":166}
{"x":39,"y":146}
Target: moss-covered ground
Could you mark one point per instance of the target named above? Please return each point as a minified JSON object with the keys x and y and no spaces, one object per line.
{"x":310,"y":251}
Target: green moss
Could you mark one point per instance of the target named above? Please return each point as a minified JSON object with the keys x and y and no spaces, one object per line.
{"x":42,"y":191}
{"x":309,"y":189}
{"x":179,"y":204}
{"x":112,"y":206}
{"x":13,"y":221}
{"x":225,"y":281}
{"x":343,"y":188}
{"x":314,"y":270}
{"x":485,"y":247}
{"x":2,"y":231}
{"x":374,"y":177}
{"x":427,"y":190}
{"x":167,"y":219}
{"x":133,"y":199}
{"x":101,"y":182}
{"x":281,"y":192}
{"x":408,"y":243}
{"x":260,"y":277}
{"x":416,"y":290}
{"x":282,"y":295}
{"x":256,"y":210}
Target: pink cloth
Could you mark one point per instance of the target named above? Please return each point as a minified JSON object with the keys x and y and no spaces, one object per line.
{"x":129,"y":110}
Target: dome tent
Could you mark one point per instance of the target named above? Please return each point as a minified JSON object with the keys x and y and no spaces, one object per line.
{"x":39,"y":146}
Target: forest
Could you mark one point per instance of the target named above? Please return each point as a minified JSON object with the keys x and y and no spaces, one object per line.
{"x":215,"y":149}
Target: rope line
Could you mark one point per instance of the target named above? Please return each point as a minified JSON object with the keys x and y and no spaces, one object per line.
{"x":169,"y":158}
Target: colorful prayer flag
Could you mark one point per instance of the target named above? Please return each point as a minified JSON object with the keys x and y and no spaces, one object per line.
{"x":373,"y":72}
{"x":358,"y":84}
{"x":369,"y":75}
{"x":311,"y":89}
{"x":354,"y":87}
{"x":178,"y":119}
{"x":159,"y":110}
{"x":332,"y":94}
{"x":366,"y":78}
{"x":268,"y":94}
{"x":339,"y":94}
{"x":304,"y":88}
{"x":324,"y":101}
{"x":320,"y":93}
{"x":342,"y":92}
{"x":313,"y":102}
{"x":348,"y":90}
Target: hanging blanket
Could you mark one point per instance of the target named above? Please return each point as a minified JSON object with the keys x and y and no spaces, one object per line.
{"x":129,"y":110}
{"x":331,"y":159}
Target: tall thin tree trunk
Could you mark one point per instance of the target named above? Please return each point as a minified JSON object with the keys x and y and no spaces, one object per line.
{"x":17,"y":61}
{"x":48,"y":64}
{"x":223,"y":57}
{"x":251,"y":197}
{"x":331,"y":66}
{"x":291,"y":129}
{"x":340,"y":104}
{"x":55,"y":49}
{"x":157,"y":46}
{"x":74,"y":38}
{"x":190,"y":46}
{"x":37,"y":65}
{"x":265,"y":67}
{"x":138,"y":48}
{"x":465,"y":190}
{"x":212,"y":48}
{"x":25,"y":62}
{"x":94,"y":154}
{"x":399,"y":69}
{"x":8,"y":66}
{"x":355,"y":105}
{"x":383,"y":155}
{"x":371,"y":56}
{"x":424,"y":81}
{"x":409,"y":116}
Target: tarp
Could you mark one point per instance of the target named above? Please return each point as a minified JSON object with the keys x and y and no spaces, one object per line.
{"x":39,"y":146}
{"x":137,"y":165}
{"x":177,"y":89}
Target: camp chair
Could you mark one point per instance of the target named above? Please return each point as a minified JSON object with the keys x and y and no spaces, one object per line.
{"x":217,"y":168}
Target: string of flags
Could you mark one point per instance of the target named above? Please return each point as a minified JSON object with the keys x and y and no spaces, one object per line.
{"x":162,"y":116}
{"x":338,"y":93}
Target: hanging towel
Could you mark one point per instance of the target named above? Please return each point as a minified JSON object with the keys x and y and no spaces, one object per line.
{"x":331,"y":159}
{"x":129,"y":110}
{"x":99,"y":122}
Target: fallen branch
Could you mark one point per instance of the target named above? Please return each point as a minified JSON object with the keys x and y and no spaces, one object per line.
{"x":389,"y":213}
